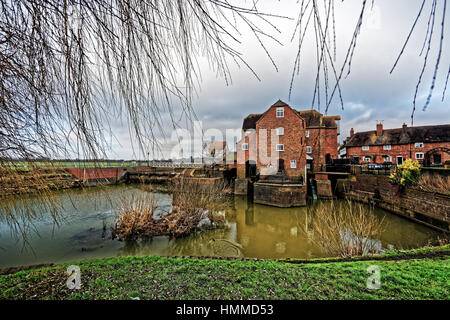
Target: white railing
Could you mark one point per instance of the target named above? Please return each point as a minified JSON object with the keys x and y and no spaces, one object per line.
{"x":159,"y":164}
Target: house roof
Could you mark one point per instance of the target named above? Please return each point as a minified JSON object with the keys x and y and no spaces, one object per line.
{"x":279,"y":103}
{"x":407,"y":135}
{"x":250,"y":121}
{"x":313,"y":118}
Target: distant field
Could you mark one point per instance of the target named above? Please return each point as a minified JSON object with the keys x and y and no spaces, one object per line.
{"x":72,"y":164}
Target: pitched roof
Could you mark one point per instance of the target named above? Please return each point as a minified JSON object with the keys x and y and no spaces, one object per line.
{"x":407,"y":135}
{"x":250,"y":121}
{"x":313,"y":118}
{"x":279,"y":103}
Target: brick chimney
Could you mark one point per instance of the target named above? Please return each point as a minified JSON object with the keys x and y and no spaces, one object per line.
{"x":404,"y":126}
{"x":379,"y":129}
{"x":352,"y":132}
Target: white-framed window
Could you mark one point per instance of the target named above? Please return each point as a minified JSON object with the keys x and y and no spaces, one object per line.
{"x":293,"y":164}
{"x":280,"y":131}
{"x":245,"y":146}
{"x":418,"y":145}
{"x":387,"y":147}
{"x":419,"y":155}
{"x":366,"y":159}
{"x":308,"y":166}
{"x":280,"y":112}
{"x":280,"y":147}
{"x":387,"y":158}
{"x":308,"y":149}
{"x":365,"y":148}
{"x":307,"y":133}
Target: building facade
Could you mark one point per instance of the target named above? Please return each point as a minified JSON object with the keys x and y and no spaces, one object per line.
{"x":429,"y":145}
{"x":283,"y":139}
{"x":321,"y":139}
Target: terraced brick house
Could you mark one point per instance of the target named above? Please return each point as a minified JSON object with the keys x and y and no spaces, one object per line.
{"x":429,"y":145}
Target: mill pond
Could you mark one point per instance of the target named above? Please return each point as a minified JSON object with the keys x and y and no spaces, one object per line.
{"x":82,"y":230}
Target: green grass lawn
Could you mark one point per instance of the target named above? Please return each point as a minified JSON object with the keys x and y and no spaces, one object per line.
{"x":417,"y":274}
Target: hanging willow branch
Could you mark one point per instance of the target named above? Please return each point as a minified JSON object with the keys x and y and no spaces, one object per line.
{"x":69,"y":69}
{"x":322,"y":15}
{"x":319,"y":17}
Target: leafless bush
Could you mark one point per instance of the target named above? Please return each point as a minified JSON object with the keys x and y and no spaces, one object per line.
{"x":192,"y":201}
{"x":434,"y":183}
{"x":345,"y":229}
{"x":192,"y":193}
{"x":135,"y":219}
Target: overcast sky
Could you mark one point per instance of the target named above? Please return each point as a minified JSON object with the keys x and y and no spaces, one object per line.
{"x":370,"y":93}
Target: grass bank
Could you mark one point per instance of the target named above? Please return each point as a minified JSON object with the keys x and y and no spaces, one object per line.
{"x":416,"y":274}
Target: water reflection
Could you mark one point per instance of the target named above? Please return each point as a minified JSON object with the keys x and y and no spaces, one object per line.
{"x":251,"y":231}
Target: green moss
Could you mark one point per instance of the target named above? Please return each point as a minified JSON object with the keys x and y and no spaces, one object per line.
{"x":416,"y":274}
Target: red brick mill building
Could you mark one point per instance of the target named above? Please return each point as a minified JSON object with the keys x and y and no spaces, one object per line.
{"x":284,"y":140}
{"x":427,"y":144}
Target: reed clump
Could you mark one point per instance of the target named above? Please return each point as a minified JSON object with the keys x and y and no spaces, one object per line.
{"x":434,"y":183}
{"x":193,"y":201}
{"x":345,"y":229}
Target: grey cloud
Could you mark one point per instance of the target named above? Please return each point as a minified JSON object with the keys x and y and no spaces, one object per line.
{"x":370,"y":93}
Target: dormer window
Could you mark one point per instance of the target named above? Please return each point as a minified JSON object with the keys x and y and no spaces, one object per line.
{"x":280,"y":112}
{"x":280,"y":131}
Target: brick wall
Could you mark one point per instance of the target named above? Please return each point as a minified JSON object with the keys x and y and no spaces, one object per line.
{"x":279,"y":195}
{"x":426,"y":207}
{"x":323,"y":141}
{"x":262,"y":144}
{"x":95,"y":173}
{"x":293,"y":139}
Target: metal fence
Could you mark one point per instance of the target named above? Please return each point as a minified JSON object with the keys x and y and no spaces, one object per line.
{"x":378,"y":169}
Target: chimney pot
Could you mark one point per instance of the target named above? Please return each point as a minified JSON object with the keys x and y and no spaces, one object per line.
{"x":379,"y":129}
{"x":404,"y":126}
{"x":352,"y":132}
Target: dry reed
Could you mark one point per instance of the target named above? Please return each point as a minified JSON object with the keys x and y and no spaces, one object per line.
{"x":192,"y":201}
{"x":345,"y":229}
{"x":434,"y":183}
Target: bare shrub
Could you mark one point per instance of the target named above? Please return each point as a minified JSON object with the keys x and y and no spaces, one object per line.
{"x":434,"y":183}
{"x":192,"y":201}
{"x":190,"y":194}
{"x":135,"y":219}
{"x":345,"y":229}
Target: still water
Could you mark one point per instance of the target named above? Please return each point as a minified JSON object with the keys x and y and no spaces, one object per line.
{"x":85,"y":218}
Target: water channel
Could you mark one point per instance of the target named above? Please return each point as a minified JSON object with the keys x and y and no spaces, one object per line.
{"x":86,"y":216}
